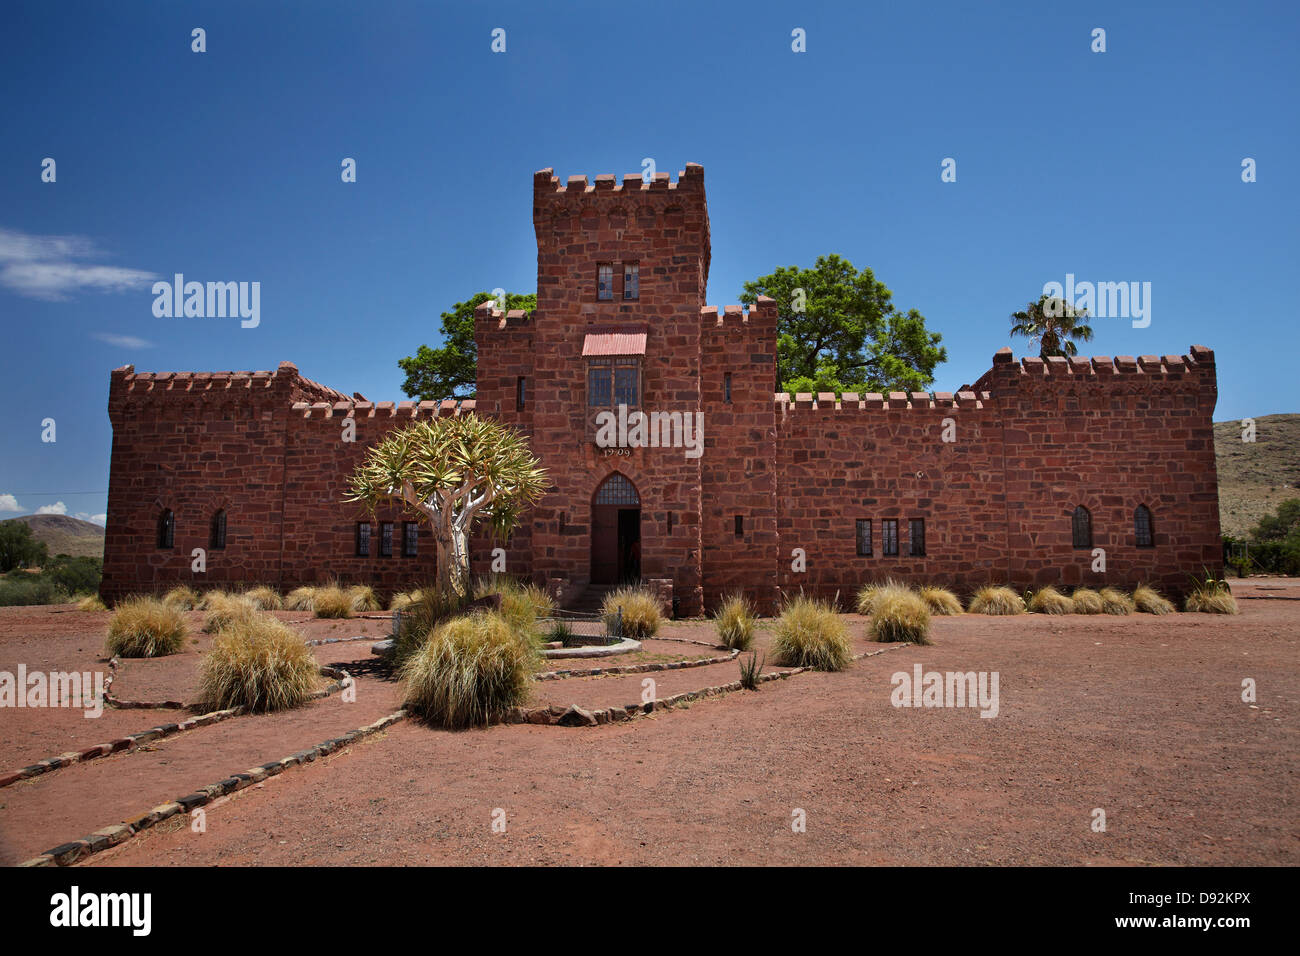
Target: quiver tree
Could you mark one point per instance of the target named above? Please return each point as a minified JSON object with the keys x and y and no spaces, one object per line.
{"x":452,"y":472}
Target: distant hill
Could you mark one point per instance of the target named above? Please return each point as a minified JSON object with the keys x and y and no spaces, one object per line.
{"x":64,"y":535}
{"x":1255,"y":478}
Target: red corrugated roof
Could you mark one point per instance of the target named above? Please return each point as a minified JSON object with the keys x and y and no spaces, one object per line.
{"x":614,"y":342}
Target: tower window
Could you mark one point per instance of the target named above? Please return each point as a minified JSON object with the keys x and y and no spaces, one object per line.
{"x":386,"y":539}
{"x":217,"y":537}
{"x":613,"y":382}
{"x":740,"y":526}
{"x":167,"y":529}
{"x":889,"y":537}
{"x":631,"y":280}
{"x":605,"y":281}
{"x":410,"y":539}
{"x":864,"y":537}
{"x":363,"y":539}
{"x":726,"y":387}
{"x":1144,"y":537}
{"x":916,"y":537}
{"x":521,"y":392}
{"x":1081,"y":527}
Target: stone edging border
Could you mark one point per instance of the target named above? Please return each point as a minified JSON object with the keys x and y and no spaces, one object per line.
{"x":634,"y":668}
{"x":131,"y":741}
{"x":575,"y":716}
{"x":73,"y":851}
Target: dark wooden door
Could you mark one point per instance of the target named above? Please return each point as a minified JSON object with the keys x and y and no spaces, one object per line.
{"x":604,"y":544}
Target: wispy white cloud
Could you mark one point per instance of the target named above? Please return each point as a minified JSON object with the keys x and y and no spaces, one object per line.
{"x":47,"y":267}
{"x":58,"y":508}
{"x":93,"y":519}
{"x":122,"y":341}
{"x":9,"y":503}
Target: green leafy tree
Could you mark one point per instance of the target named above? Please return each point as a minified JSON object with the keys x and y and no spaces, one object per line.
{"x":838,"y":330}
{"x":450,"y":370}
{"x":19,"y":548}
{"x":1282,"y":526}
{"x":1053,"y":325}
{"x":452,"y":472}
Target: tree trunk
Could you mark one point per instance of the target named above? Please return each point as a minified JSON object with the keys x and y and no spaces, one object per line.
{"x":453,"y":564}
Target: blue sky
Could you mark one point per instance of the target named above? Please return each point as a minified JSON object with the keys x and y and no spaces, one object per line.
{"x":224,"y":165}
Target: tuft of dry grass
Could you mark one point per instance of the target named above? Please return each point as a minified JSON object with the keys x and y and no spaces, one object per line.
{"x":224,"y":609}
{"x":809,"y":633}
{"x":92,"y":602}
{"x":145,"y":627}
{"x":301,"y":599}
{"x":522,"y":604}
{"x":867,"y":598}
{"x":641,"y":613}
{"x":332,"y":602}
{"x":940,"y":601}
{"x":1212,"y":599}
{"x":1114,"y":601}
{"x":1087,"y":601}
{"x":209,"y":596}
{"x":995,"y":599}
{"x":363,"y":598}
{"x":1150,"y":601}
{"x":470,"y":672}
{"x":182,"y":598}
{"x":1048,"y":600}
{"x":900,"y":614}
{"x":403,"y":599}
{"x":735,"y":621}
{"x":259,"y":663}
{"x":264,"y":598}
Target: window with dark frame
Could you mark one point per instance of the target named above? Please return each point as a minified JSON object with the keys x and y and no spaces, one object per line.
{"x":605,"y":281}
{"x":1081,"y":527}
{"x":889,"y":537}
{"x":613,"y":382}
{"x":521,"y":391}
{"x":864,"y":537}
{"x":386,"y":539}
{"x":1144,"y":537}
{"x":670,"y":522}
{"x":167,"y":529}
{"x":726,"y":387}
{"x":631,"y":280}
{"x":363,"y":539}
{"x":740,"y":526}
{"x":916,"y":537}
{"x":217,"y":535}
{"x":410,"y":539}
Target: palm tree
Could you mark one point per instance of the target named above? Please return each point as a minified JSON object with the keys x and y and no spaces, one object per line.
{"x":1053,"y":323}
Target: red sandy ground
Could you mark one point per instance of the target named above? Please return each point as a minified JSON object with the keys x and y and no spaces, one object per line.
{"x":1139,"y":716}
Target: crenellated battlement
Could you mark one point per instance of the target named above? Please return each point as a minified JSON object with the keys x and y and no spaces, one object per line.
{"x":412,"y":411}
{"x":1199,"y":359}
{"x":689,"y":179}
{"x":763,"y":312}
{"x":877,"y":401}
{"x":486,"y":312}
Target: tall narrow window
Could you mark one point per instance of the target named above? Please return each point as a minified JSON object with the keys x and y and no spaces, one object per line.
{"x":889,"y":537}
{"x":625,"y":382}
{"x":217,"y":536}
{"x":612,"y":382}
{"x":864,"y":537}
{"x":600,"y":378}
{"x":166,"y":529}
{"x":521,"y":392}
{"x":385,"y":539}
{"x":410,"y":539}
{"x":604,"y":281}
{"x":363,"y":539}
{"x":1142,"y":533}
{"x":726,"y":387}
{"x":916,"y":537}
{"x":740,"y":526}
{"x":670,"y":522}
{"x":1081,"y":527}
{"x":631,"y":280}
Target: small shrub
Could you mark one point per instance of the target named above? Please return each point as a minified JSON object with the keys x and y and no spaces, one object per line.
{"x":363,"y":598}
{"x":259,"y":663}
{"x":332,"y":602}
{"x":750,"y":670}
{"x":521,"y":604}
{"x":867,"y":598}
{"x":206,"y":601}
{"x":1150,"y":601}
{"x":23,"y":588}
{"x":735,"y":621}
{"x":993,"y":599}
{"x":940,"y":601}
{"x":145,"y":627}
{"x":810,"y":634}
{"x":1087,"y":601}
{"x":561,"y":632}
{"x":402,"y":600}
{"x":470,"y":672}
{"x":1211,"y":597}
{"x":421,"y":618}
{"x":641,"y":613}
{"x":1114,"y":601}
{"x":92,"y":602}
{"x":900,"y":614}
{"x":182,"y":597}
{"x":1048,"y":600}
{"x":225,"y":609}
{"x":301,"y":599}
{"x":264,"y":599}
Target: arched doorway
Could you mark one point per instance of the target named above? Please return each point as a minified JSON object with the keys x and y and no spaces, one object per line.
{"x":615,"y":531}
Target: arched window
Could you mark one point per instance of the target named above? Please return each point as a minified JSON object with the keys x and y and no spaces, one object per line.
{"x":617,"y":490}
{"x":217,"y":537}
{"x":1143,"y":534}
{"x":1081,"y":524}
{"x":166,"y":529}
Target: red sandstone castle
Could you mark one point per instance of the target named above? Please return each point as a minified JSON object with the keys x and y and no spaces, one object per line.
{"x":1016,"y":480}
